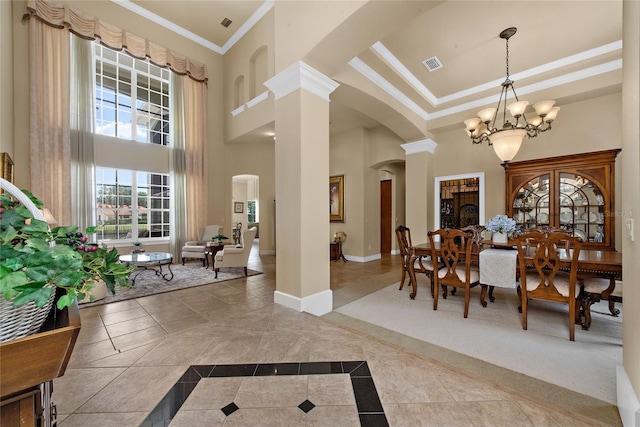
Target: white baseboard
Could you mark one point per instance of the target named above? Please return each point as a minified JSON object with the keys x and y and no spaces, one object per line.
{"x":363,"y":259}
{"x":317,"y":304}
{"x":628,"y":403}
{"x":395,"y":252}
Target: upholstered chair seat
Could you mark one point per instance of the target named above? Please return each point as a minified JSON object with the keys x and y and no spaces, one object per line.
{"x":236,"y":255}
{"x":196,"y":248}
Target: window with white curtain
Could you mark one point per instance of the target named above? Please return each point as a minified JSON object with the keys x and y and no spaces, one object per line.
{"x":132,"y":205}
{"x":132,"y":97}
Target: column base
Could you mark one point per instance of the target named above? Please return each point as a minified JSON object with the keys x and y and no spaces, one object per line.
{"x":317,"y":304}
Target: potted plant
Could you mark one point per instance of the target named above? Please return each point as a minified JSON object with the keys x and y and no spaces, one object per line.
{"x":218,"y":238}
{"x":501,"y":226}
{"x":37,"y":262}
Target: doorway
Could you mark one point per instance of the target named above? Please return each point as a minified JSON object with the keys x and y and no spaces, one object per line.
{"x":459,"y":200}
{"x":385,"y":216}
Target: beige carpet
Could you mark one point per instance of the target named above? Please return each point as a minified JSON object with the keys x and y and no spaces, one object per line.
{"x":494,"y":334}
{"x":184,"y":276}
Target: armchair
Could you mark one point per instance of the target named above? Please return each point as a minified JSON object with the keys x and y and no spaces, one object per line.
{"x":196,"y":248}
{"x":236,"y":255}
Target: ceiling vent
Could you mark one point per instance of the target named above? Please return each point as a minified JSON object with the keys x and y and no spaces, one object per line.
{"x":432,"y":63}
{"x":226,"y":22}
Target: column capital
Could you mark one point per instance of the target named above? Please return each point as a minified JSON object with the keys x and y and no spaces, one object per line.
{"x":301,"y":76}
{"x":425,"y":145}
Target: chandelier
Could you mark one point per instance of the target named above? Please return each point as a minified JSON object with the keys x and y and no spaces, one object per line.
{"x":506,"y":140}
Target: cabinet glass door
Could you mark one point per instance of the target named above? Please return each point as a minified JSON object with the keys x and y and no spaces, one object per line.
{"x":531,"y":203}
{"x":581,"y":207}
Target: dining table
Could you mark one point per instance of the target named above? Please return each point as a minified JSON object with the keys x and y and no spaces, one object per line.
{"x":601,"y":263}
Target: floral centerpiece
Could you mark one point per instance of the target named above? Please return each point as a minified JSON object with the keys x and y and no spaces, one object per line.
{"x":501,"y":226}
{"x":36,"y":260}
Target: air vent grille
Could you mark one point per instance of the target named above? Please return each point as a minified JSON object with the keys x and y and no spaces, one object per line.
{"x":432,"y":63}
{"x":226,"y":22}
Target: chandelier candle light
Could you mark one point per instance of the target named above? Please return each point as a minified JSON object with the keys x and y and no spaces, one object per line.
{"x":506,"y":140}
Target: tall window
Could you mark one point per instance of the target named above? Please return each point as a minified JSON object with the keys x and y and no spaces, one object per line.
{"x":132,"y":204}
{"x":132,"y":97}
{"x":132,"y":105}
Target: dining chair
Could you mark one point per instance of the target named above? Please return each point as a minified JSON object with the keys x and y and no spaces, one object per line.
{"x":421,"y":265}
{"x":595,"y":289}
{"x":455,"y":257}
{"x":540,"y":274}
{"x":477,"y":239}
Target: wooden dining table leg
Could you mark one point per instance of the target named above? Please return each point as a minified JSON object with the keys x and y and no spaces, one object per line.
{"x":483,"y":294}
{"x":412,"y":274}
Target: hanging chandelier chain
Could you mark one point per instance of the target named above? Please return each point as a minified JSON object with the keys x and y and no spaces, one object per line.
{"x":507,"y":61}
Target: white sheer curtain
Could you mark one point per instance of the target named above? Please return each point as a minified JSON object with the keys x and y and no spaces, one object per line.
{"x":50,"y":156}
{"x":177,"y":165}
{"x":81,"y":138}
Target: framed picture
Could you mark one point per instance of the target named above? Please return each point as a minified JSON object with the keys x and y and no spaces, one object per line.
{"x":336,"y":198}
{"x":238,"y":207}
{"x":6,"y":167}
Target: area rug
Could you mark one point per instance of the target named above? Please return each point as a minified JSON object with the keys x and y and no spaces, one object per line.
{"x":184,"y":276}
{"x":494,"y":334}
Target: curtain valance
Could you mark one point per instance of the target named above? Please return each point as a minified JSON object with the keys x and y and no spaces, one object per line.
{"x":62,"y":15}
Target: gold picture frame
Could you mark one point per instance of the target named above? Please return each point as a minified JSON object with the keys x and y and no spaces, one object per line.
{"x":336,"y":198}
{"x":6,"y":167}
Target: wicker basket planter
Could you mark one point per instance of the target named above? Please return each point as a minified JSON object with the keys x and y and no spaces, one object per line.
{"x":18,"y":322}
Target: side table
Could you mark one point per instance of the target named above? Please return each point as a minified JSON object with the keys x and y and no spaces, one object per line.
{"x":211,"y":249}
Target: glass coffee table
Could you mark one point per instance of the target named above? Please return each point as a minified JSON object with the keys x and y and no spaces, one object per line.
{"x":153,"y":261}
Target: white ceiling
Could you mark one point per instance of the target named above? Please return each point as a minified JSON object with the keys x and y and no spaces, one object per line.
{"x":564,"y":50}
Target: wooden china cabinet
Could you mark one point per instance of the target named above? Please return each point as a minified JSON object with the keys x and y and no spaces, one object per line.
{"x":574,"y":192}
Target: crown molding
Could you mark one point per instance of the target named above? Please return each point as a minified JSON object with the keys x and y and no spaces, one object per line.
{"x":383,"y":84}
{"x":244,"y":28}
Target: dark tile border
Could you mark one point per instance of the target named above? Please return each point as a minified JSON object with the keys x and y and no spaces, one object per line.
{"x":370,"y":410}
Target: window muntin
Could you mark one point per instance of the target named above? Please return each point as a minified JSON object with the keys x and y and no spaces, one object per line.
{"x":124,"y":217}
{"x":132,"y":97}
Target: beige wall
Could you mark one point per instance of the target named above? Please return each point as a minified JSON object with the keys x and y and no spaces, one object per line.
{"x":630,"y":202}
{"x":346,"y":158}
{"x":6,"y":78}
{"x":314,"y":20}
{"x":237,"y":63}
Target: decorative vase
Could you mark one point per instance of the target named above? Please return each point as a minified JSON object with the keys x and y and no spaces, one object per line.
{"x":500,"y":238}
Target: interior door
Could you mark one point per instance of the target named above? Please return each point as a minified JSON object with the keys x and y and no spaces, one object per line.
{"x":385,"y":216}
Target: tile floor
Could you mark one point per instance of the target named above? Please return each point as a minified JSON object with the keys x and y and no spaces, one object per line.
{"x":226,"y":355}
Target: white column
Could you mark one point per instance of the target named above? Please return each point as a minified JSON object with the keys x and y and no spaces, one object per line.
{"x":302,"y":188}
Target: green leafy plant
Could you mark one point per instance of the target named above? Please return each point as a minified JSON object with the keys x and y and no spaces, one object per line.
{"x":35,"y":260}
{"x":219,"y":238}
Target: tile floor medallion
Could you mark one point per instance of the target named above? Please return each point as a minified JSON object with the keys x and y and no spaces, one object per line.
{"x":362,"y":397}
